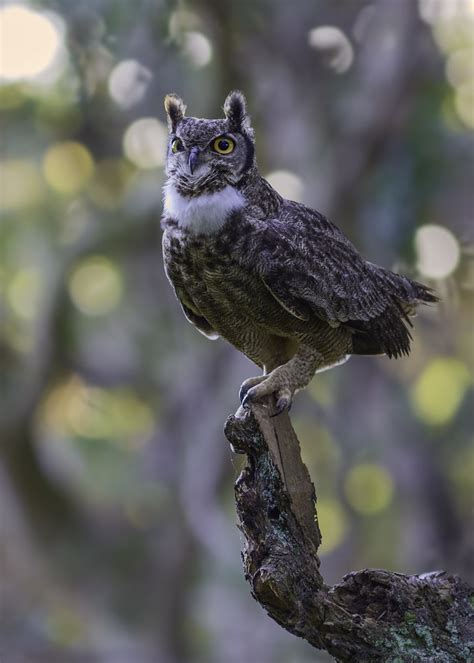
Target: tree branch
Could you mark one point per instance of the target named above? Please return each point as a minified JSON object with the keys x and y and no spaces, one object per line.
{"x":372,"y":615}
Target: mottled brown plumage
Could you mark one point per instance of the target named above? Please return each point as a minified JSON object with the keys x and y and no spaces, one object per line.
{"x":271,"y":276}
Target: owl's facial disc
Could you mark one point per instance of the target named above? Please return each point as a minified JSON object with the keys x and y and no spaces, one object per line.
{"x":205,"y":156}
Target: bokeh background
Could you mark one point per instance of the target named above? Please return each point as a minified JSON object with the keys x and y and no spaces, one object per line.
{"x":119,"y":541}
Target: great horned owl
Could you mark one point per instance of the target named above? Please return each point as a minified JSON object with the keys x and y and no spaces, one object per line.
{"x":273,"y":277}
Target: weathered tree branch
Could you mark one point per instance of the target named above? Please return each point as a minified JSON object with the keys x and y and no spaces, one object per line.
{"x":372,"y":615}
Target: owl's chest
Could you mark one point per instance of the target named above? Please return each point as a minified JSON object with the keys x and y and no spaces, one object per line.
{"x":212,"y":273}
{"x":206,"y":266}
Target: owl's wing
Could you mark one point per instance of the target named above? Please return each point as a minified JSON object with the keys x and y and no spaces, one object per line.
{"x":190,"y":310}
{"x":312,"y":269}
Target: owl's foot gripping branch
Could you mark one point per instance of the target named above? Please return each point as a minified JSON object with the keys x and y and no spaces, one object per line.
{"x":283,"y":381}
{"x":372,"y":615}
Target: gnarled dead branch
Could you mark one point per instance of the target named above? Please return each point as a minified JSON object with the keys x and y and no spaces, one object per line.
{"x":372,"y":615}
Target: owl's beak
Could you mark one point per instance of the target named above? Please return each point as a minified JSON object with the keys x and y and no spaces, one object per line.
{"x":193,"y":158}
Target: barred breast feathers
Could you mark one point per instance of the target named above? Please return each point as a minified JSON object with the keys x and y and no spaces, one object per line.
{"x":203,"y":214}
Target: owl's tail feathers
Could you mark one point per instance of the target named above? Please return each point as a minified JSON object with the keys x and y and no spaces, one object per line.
{"x":408,"y":293}
{"x":417,"y":293}
{"x":389,"y":332}
{"x":386,"y":334}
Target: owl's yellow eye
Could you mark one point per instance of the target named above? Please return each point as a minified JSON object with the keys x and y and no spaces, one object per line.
{"x":176,"y":145}
{"x":223,"y":145}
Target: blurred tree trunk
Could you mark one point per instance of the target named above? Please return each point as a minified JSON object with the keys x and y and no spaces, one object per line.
{"x":372,"y":615}
{"x":47,"y":507}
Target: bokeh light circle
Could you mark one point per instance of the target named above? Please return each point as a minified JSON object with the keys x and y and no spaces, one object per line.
{"x":369,"y":488}
{"x":128,"y":83}
{"x":67,"y":167}
{"x":32,"y":43}
{"x":439,"y":391}
{"x":21,"y":184}
{"x":438,"y":251}
{"x":334,"y":45}
{"x":23,"y":293}
{"x":145,"y":142}
{"x":333,"y":524}
{"x":197,"y":48}
{"x":96,"y":286}
{"x":464,"y":103}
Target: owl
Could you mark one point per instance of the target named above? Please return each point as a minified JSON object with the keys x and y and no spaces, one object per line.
{"x":273,"y":277}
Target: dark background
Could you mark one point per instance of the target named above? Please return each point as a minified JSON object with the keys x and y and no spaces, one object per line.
{"x":116,"y":505}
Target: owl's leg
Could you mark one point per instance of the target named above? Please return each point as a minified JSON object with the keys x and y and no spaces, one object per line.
{"x":283,"y":381}
{"x":268,"y":352}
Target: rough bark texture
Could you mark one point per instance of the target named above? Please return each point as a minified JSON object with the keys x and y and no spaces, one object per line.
{"x":372,"y":615}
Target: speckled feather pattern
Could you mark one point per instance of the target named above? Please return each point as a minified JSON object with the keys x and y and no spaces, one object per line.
{"x":278,"y":275}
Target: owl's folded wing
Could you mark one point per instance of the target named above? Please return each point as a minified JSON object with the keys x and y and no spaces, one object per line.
{"x":319,"y":273}
{"x":312,"y":273}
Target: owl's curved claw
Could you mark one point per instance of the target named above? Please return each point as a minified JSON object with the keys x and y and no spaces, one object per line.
{"x":247,"y":399}
{"x":246,"y":386}
{"x":283,"y":402}
{"x":243,"y":391}
{"x":251,"y":395}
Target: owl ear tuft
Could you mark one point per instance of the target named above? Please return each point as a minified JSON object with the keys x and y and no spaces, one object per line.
{"x":235,"y":110}
{"x":175,"y":109}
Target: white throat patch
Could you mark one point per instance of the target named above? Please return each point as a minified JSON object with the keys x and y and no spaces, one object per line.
{"x":205,"y":213}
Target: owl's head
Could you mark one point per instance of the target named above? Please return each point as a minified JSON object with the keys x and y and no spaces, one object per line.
{"x":204,"y":156}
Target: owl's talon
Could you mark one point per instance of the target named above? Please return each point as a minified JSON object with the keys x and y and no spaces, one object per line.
{"x":249,"y":397}
{"x":284,"y":402}
{"x":244,"y":390}
{"x":247,"y":385}
{"x":281,"y":406}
